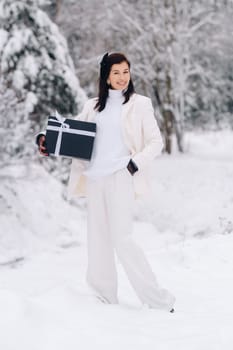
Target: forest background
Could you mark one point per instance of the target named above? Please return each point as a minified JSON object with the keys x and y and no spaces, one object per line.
{"x":181,"y":53}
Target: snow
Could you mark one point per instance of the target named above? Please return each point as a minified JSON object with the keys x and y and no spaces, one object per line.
{"x":185,"y":227}
{"x":3,"y":38}
{"x":31,"y":66}
{"x":30,"y":102}
{"x":18,"y":79}
{"x":15,"y":44}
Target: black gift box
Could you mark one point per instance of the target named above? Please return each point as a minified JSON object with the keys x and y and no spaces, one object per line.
{"x":69,"y":137}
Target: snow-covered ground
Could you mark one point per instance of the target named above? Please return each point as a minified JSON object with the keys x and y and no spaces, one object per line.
{"x":185,"y":227}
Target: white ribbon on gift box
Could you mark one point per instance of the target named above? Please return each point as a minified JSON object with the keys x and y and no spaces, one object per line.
{"x":65,"y":128}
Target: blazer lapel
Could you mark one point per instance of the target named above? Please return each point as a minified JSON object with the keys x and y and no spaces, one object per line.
{"x":127,"y":107}
{"x":126,"y":122}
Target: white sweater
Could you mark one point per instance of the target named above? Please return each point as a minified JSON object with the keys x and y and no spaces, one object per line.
{"x":110,"y":154}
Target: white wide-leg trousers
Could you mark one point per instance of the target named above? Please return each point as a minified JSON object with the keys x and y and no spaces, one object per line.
{"x":110,"y":202}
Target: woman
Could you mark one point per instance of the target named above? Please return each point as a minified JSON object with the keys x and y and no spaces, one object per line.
{"x":126,"y":143}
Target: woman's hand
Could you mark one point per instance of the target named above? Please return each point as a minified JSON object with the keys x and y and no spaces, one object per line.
{"x":42,"y":146}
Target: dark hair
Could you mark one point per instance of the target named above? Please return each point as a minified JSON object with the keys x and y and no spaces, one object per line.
{"x":105,"y":67}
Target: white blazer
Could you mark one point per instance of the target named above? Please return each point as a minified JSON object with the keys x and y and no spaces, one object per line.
{"x":141,"y":136}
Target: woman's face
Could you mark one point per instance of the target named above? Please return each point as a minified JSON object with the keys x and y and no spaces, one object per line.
{"x":119,"y":76}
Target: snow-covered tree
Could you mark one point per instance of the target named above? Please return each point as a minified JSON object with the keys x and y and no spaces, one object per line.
{"x":173,"y":48}
{"x":210,"y":85}
{"x":85,"y":25}
{"x":181,"y":54}
{"x":36,"y":75}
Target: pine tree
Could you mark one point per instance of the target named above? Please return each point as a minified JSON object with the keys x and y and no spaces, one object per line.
{"x":37,"y":75}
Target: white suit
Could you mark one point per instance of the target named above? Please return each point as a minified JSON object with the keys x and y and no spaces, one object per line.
{"x":141,"y":135}
{"x":110,"y":202}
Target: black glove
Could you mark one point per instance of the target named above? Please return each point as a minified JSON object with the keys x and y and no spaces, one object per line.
{"x":44,"y":151}
{"x":132,"y":167}
{"x":38,"y":138}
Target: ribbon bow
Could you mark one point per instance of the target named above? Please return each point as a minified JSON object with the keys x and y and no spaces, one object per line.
{"x":103,"y":66}
{"x":60,"y":118}
{"x":104,"y":59}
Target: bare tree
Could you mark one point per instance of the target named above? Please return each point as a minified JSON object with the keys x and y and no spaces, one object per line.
{"x":178,"y":48}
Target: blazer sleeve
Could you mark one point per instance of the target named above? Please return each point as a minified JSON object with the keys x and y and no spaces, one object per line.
{"x":87,"y":108}
{"x":152,"y":139}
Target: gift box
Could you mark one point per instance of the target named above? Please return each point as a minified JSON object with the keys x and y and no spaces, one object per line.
{"x":69,"y":137}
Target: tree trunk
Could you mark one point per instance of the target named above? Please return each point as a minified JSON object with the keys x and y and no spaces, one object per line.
{"x":168,"y":115}
{"x":168,"y":126}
